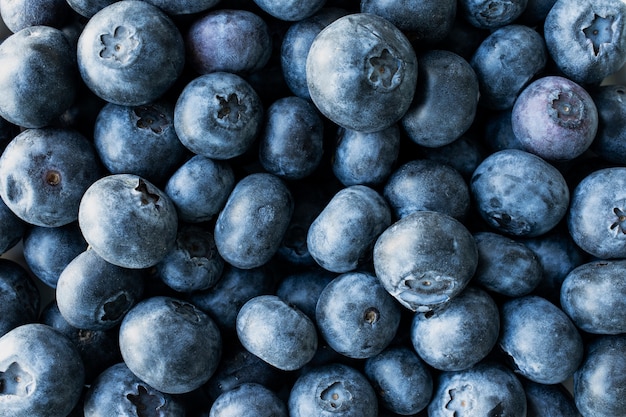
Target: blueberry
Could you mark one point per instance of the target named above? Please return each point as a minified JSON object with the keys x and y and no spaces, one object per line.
{"x":459,"y":334}
{"x":341,"y":237}
{"x":332,"y":390}
{"x":218,"y":115}
{"x":536,"y":12}
{"x":12,"y":228}
{"x":540,"y":339}
{"x":130,"y":53}
{"x":491,"y":14}
{"x":445,"y":101}
{"x":87,"y":8}
{"x":499,"y":132}
{"x":248,"y":399}
{"x":118,"y":391}
{"x":519,"y":194}
{"x":39,"y":78}
{"x":555,"y":118}
{"x":20,"y":298}
{"x":361,"y":72}
{"x":44,"y":173}
{"x":290,"y":10}
{"x":505,"y":62}
{"x":41,"y":372}
{"x":356,"y":316}
{"x":184,"y":7}
{"x":19,"y":14}
{"x":425,"y":259}
{"x":553,"y":400}
{"x":610,"y":101}
{"x":170,"y":344}
{"x":128,"y":221}
{"x":464,"y":155}
{"x":303,"y":288}
{"x":586,"y":39}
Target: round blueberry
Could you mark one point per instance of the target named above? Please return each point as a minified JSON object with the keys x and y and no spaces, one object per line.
{"x":12,"y":228}
{"x":552,"y":400}
{"x":87,"y":8}
{"x":19,"y":296}
{"x":303,"y":288}
{"x":491,"y":14}
{"x":290,"y":10}
{"x":248,"y":400}
{"x":19,"y":14}
{"x":610,"y":101}
{"x":183,"y":7}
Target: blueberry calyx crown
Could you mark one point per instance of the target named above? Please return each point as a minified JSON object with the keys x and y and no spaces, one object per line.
{"x":15,"y":381}
{"x":599,"y":32}
{"x":384,"y":70}
{"x":120,"y":46}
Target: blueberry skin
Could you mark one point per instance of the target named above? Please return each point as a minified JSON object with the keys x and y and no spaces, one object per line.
{"x":506,"y":266}
{"x":586,"y":40}
{"x":218,"y":115}
{"x":117,"y":391}
{"x":464,"y":155}
{"x":251,"y":226}
{"x":291,"y":143}
{"x":341,"y":237}
{"x":541,"y":341}
{"x":611,"y":105}
{"x":170,"y":344}
{"x":44,"y":173}
{"x":17,"y":15}
{"x":12,"y":228}
{"x":183,"y":7}
{"x":303,"y":288}
{"x":429,"y":21}
{"x":139,"y":140}
{"x":505,"y":62}
{"x":549,"y":400}
{"x":128,"y":221}
{"x":445,"y":101}
{"x":248,"y":400}
{"x":402,"y":380}
{"x":425,"y":185}
{"x":555,"y":118}
{"x":39,"y":78}
{"x":48,"y":250}
{"x":333,"y":389}
{"x":290,"y":10}
{"x":93,"y":294}
{"x":41,"y":372}
{"x":228,"y":40}
{"x":19,"y":297}
{"x":87,"y":8}
{"x":295,"y":47}
{"x":459,"y":334}
{"x":362,"y":72}
{"x":498,"y":133}
{"x":276,"y":332}
{"x":130,"y":53}
{"x":365,"y":158}
{"x":485,"y":14}
{"x":425,"y":259}
{"x":595,"y":219}
{"x":356,"y":316}
{"x":486,"y":389}
{"x":592,"y":295}
{"x":518,"y":193}
{"x":536,"y":12}
{"x":600,"y":378}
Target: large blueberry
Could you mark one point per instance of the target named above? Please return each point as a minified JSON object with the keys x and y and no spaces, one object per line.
{"x":19,"y":297}
{"x":249,"y":400}
{"x":128,"y":221}
{"x":491,"y":14}
{"x":361,"y":72}
{"x":18,"y":14}
{"x":425,"y":259}
{"x":130,"y":53}
{"x":610,"y":101}
{"x":290,"y":10}
{"x":552,"y":400}
{"x":170,"y":344}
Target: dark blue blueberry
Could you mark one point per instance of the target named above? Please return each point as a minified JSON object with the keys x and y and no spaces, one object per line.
{"x":332,"y":390}
{"x":505,"y":62}
{"x":555,"y":118}
{"x":44,"y":173}
{"x":302,"y":289}
{"x":19,"y":297}
{"x":218,"y":115}
{"x":130,"y":53}
{"x":39,"y":77}
{"x":426,"y":185}
{"x":249,"y":400}
{"x":610,"y":101}
{"x":93,"y":294}
{"x":519,"y":194}
{"x":586,"y":40}
{"x":170,"y":344}
{"x":276,"y":332}
{"x":464,"y":155}
{"x":600,"y":380}
{"x":365,"y":158}
{"x":291,"y":144}
{"x":401,"y":379}
{"x":498,"y":132}
{"x":536,"y":12}
{"x":445,"y":101}
{"x":361,"y":72}
{"x":252,"y":224}
{"x":356,"y":316}
{"x":48,"y":250}
{"x":290,"y":10}
{"x":18,"y":14}
{"x":87,"y":8}
{"x":463,"y":38}
{"x":541,"y":341}
{"x":12,"y":228}
{"x":491,"y":14}
{"x":552,"y":400}
{"x":486,"y":389}
{"x":128,"y":221}
{"x":425,"y":259}
{"x":341,"y":238}
{"x":138,"y":140}
{"x":41,"y":373}
{"x":230,"y":40}
{"x":117,"y":391}
{"x":506,"y":266}
{"x":459,"y":334}
{"x":183,"y":7}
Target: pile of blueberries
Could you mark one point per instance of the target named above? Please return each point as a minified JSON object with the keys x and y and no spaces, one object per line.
{"x":287,"y":208}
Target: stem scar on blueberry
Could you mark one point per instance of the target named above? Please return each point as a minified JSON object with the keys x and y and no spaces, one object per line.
{"x":371,"y":315}
{"x":146,"y":196}
{"x":620,"y":223}
{"x":599,"y":32}
{"x":53,"y":178}
{"x":144,"y":402}
{"x":231,"y":107}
